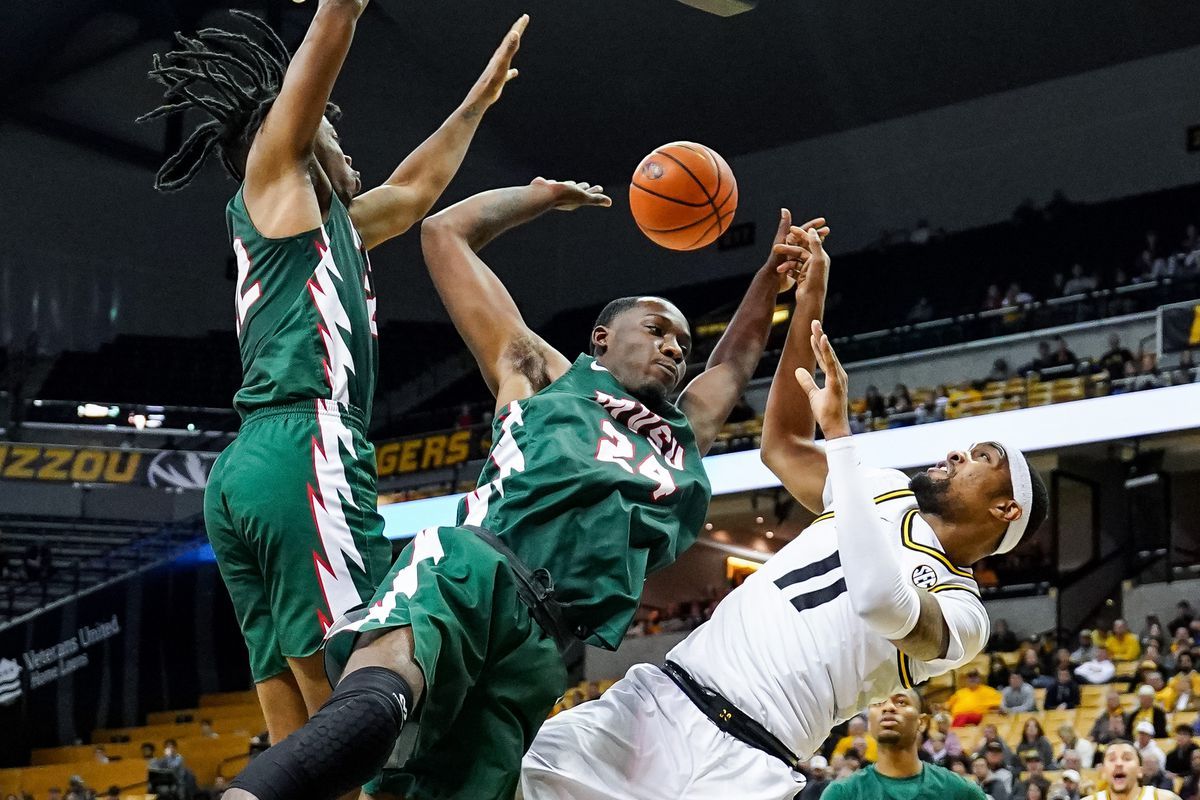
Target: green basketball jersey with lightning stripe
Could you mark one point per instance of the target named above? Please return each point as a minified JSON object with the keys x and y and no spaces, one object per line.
{"x":305,"y":313}
{"x":587,"y":482}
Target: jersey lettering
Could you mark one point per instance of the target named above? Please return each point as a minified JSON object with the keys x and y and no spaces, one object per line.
{"x":615,"y":448}
{"x":246,"y":296}
{"x":645,"y":422}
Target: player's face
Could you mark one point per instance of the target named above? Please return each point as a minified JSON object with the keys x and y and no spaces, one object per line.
{"x":646,"y":348}
{"x":344,"y":179}
{"x":967,"y":483}
{"x":1121,"y":768}
{"x":897,"y":721}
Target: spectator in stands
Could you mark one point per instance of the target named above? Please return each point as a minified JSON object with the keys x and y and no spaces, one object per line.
{"x":860,"y":740}
{"x":1033,"y":741}
{"x":1191,"y":784}
{"x":1148,"y":712}
{"x":148,"y":751}
{"x":930,"y":411}
{"x":817,"y":772}
{"x":1115,"y":358}
{"x":1145,"y":743}
{"x":1147,"y":373}
{"x":1186,"y":681}
{"x":968,"y":704}
{"x":921,"y":312}
{"x":1153,"y":775}
{"x":1101,"y":729}
{"x":899,"y":401}
{"x":1086,"y":650}
{"x":1015,"y":296}
{"x":78,"y":790}
{"x":465,"y":418}
{"x":1002,"y":640}
{"x":1033,"y":763}
{"x":1079,"y":281}
{"x":993,"y":784}
{"x":1114,"y":731}
{"x":1018,"y":696}
{"x":1063,"y":693}
{"x":1183,"y":616}
{"x":99,"y":755}
{"x":1164,"y":695}
{"x":1070,"y":779}
{"x":1179,"y":760}
{"x":998,"y":765}
{"x":206,"y":730}
{"x":1100,"y":669}
{"x":993,"y":299}
{"x":1030,"y":668}
{"x":998,"y":672}
{"x":1185,"y":371}
{"x":113,"y":793}
{"x":876,"y":406}
{"x":1000,"y":372}
{"x":1062,"y":356}
{"x":170,"y":759}
{"x":1043,"y":360}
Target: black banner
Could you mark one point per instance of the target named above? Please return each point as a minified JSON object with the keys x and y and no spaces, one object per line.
{"x":153,"y":642}
{"x":1179,"y":326}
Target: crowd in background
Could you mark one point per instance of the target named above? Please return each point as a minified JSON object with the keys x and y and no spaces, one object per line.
{"x":1166,"y":681}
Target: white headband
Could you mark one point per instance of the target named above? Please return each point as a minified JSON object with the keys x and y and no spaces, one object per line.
{"x":1022,"y":485}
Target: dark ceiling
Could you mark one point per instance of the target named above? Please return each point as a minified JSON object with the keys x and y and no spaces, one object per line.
{"x":602,"y":81}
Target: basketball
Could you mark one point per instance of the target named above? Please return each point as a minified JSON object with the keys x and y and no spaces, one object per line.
{"x":683,"y":196}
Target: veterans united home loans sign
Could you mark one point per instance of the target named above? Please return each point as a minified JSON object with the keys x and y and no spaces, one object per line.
{"x":70,"y":655}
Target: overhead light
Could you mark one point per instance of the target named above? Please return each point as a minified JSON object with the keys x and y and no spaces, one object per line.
{"x":758,"y":520}
{"x":708,"y":526}
{"x":770,"y":534}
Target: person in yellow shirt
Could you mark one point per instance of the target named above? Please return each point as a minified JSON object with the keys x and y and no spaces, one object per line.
{"x":968,"y":705}
{"x":1164,"y":695}
{"x":1122,"y":645}
{"x":1186,"y":681}
{"x":857,"y":738}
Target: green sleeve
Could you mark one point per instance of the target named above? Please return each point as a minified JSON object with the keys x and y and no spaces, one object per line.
{"x":836,"y":791}
{"x":971,"y":791}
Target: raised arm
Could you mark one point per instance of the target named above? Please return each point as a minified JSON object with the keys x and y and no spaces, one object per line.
{"x":404,"y":198}
{"x":709,"y":398}
{"x":880,"y":593}
{"x":515,"y":361}
{"x":278,"y":191}
{"x":788,"y":430}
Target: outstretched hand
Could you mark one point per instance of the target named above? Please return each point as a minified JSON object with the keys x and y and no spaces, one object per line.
{"x":499,"y":70}
{"x":570,"y":195}
{"x":829,"y":405}
{"x":799,"y":254}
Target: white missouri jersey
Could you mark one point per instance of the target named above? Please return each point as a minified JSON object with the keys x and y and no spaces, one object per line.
{"x":787,"y":648}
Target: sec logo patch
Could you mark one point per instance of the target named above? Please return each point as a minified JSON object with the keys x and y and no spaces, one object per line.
{"x":924,"y":577}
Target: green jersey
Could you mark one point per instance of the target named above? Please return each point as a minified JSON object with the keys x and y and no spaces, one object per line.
{"x":305,"y":314}
{"x":588,"y":483}
{"x":932,"y":783}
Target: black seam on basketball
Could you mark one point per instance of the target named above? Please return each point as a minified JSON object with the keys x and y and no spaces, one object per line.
{"x":637,"y":185}
{"x":728,"y":197}
{"x":691,"y":175}
{"x":709,"y":154}
{"x":710,"y":227}
{"x":703,"y":219}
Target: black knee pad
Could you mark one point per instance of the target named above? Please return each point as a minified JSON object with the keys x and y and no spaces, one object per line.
{"x":343,"y":746}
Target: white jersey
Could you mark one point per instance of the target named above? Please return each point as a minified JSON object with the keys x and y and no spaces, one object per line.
{"x":787,"y":648}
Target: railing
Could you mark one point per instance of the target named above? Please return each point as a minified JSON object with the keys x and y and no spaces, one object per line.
{"x":26,"y":600}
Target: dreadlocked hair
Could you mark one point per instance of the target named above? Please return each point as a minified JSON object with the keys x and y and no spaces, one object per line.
{"x":232,"y":78}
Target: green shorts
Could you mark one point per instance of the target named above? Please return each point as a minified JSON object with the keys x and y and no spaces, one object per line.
{"x":290,"y":509}
{"x":492,"y":675}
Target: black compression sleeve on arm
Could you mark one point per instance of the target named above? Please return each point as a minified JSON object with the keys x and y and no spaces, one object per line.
{"x":344,"y":745}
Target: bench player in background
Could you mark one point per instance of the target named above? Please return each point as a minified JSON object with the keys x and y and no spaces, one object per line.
{"x":1122,"y":773}
{"x":868,"y":601}
{"x":290,"y":506}
{"x":594,"y":481}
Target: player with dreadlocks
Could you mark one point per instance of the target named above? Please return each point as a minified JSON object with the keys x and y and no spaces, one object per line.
{"x":290,"y":506}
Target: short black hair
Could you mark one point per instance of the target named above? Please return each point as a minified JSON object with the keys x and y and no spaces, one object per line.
{"x":1040,"y":507}
{"x":1183,"y":728}
{"x":614,"y":309}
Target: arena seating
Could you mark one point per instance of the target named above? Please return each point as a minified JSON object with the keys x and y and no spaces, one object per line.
{"x":236,"y":717}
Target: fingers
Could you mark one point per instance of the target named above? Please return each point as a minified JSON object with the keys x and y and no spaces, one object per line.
{"x":520,"y":25}
{"x":826,"y":357}
{"x":817,"y":224}
{"x":792,"y":252}
{"x":785,"y":225}
{"x":806,"y":381}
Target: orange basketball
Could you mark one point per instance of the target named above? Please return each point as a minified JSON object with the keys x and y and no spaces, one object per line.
{"x":683,"y":196}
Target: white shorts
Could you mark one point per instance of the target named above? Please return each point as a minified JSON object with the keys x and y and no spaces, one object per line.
{"x":645,"y":740}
